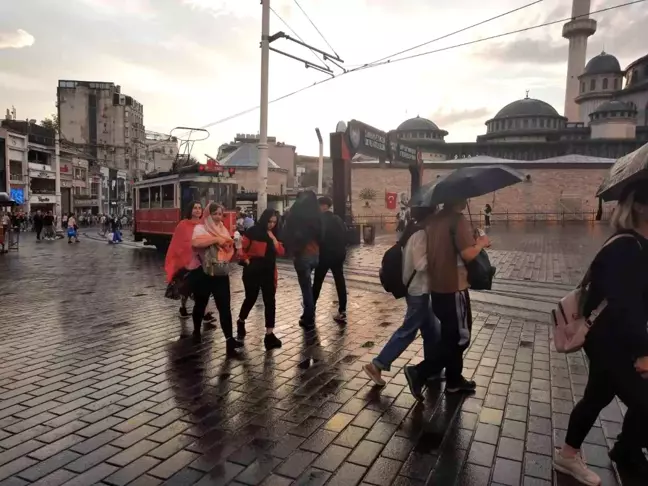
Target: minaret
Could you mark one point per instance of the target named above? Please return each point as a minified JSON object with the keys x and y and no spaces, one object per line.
{"x":577,"y":30}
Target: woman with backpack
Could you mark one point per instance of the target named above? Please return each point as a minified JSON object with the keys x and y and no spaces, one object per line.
{"x":259,"y":251}
{"x":414,"y":284}
{"x":213,"y":252}
{"x":617,"y":344}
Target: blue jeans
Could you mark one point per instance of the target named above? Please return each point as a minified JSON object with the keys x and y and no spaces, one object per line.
{"x":419,"y":315}
{"x":304,"y":266}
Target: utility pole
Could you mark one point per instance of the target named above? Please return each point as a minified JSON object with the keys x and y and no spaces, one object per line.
{"x":320,"y":166}
{"x":57,"y":179}
{"x":262,"y":170}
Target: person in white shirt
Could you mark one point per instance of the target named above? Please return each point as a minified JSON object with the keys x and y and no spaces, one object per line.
{"x":419,"y":314}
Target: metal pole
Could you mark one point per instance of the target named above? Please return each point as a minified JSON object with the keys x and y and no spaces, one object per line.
{"x":262,"y":190}
{"x":57,"y":180}
{"x":320,"y":166}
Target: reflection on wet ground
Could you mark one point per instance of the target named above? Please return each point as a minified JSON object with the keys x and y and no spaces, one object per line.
{"x":98,"y":386}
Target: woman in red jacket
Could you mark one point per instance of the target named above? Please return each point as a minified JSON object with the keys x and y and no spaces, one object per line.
{"x":259,"y":250}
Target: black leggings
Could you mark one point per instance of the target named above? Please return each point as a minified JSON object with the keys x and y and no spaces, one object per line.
{"x":610,"y":375}
{"x":219,"y":287}
{"x":336,"y":267}
{"x":253,"y":281}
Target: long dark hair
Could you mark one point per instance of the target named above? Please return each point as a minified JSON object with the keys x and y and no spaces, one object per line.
{"x":189,"y":209}
{"x":260,"y":229}
{"x":304,"y":222}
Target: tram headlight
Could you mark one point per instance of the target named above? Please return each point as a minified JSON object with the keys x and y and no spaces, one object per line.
{"x":231,"y":171}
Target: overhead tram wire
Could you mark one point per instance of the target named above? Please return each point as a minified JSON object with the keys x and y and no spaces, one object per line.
{"x":298,"y":36}
{"x":315,"y":26}
{"x":497,"y":36}
{"x":358,"y":68}
{"x":478,"y":24}
{"x":386,"y":62}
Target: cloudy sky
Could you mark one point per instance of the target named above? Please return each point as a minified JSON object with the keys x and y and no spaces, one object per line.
{"x":194,"y":62}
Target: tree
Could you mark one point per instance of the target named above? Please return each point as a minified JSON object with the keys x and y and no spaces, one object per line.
{"x":51,"y":122}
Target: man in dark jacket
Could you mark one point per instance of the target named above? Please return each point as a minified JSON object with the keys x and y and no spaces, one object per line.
{"x":38,"y":224}
{"x":332,"y":256}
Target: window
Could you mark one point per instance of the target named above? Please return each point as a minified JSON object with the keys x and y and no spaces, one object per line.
{"x":144,"y":198}
{"x":534,"y":122}
{"x":592,"y":84}
{"x":155,"y":197}
{"x":167,"y":196}
{"x":583,"y":87}
{"x":605,"y":83}
{"x":525,"y":123}
{"x":616,"y":83}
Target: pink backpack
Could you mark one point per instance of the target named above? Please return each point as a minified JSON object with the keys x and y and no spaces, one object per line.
{"x":570,"y":325}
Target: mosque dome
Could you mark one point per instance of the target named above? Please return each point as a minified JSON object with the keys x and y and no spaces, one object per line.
{"x":604,"y":63}
{"x":418,"y":123}
{"x":527,"y":107}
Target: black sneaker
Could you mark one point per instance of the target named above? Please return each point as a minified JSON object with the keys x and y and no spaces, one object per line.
{"x":306,"y":323}
{"x":461,"y":386}
{"x":183,"y":312}
{"x":414,"y":382}
{"x":271,"y":342}
{"x":340,"y":317}
{"x":233,"y":345}
{"x":240,"y":329}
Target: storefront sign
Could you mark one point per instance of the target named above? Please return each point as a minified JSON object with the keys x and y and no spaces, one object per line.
{"x":41,"y":174}
{"x":86,"y":203}
{"x":42,"y":199}
{"x":65,"y":169}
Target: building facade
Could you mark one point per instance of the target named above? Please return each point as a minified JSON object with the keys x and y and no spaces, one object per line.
{"x":161,"y":152}
{"x":14,"y":169}
{"x":107,"y":125}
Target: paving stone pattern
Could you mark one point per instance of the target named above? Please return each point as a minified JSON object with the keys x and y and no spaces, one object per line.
{"x":97,"y":387}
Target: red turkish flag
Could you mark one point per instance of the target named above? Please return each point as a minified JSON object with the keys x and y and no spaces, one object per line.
{"x":390,"y":200}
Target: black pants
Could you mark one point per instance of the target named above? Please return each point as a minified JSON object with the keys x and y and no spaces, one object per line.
{"x":253,"y":281}
{"x":453,"y":310}
{"x":610,"y":375}
{"x":39,"y":230}
{"x":219,"y":287}
{"x":336,"y":266}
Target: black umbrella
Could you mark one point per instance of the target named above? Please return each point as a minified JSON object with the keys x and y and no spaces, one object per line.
{"x":5,"y":200}
{"x":465,"y":183}
{"x":627,"y":169}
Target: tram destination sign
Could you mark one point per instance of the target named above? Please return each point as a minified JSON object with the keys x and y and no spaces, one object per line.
{"x":367,"y":140}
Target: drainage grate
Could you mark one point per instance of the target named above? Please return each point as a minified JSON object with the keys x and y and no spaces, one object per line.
{"x":526,"y":344}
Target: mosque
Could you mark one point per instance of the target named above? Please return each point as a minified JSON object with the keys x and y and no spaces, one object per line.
{"x":605,"y":112}
{"x":563,"y":156}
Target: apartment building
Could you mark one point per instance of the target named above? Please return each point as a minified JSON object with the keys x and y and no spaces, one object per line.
{"x":161,"y":151}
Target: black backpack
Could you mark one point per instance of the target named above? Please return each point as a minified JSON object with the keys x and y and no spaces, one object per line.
{"x":391,"y":269}
{"x":480,"y":270}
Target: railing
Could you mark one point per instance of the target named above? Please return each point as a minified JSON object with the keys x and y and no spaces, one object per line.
{"x":381,"y":221}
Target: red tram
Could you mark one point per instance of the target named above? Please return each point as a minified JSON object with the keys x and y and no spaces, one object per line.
{"x":161,"y":199}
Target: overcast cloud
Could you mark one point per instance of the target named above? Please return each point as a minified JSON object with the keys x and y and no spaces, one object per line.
{"x":193,"y":62}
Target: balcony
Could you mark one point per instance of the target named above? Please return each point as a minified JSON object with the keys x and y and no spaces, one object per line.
{"x":16,"y":177}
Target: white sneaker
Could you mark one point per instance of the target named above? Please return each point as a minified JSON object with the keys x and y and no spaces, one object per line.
{"x":576,"y":468}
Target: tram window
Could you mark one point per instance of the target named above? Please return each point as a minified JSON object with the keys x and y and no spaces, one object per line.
{"x":167,"y":196}
{"x":144,"y":198}
{"x":155,"y":197}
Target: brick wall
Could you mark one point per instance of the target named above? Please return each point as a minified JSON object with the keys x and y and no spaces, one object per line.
{"x":542,"y":194}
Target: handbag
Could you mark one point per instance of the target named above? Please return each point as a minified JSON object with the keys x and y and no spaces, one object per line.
{"x":213,"y":266}
{"x":571,"y":326}
{"x":480,"y":270}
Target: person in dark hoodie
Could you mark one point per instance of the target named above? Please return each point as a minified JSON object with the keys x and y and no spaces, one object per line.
{"x":332,"y":256}
{"x":303,"y":237}
{"x":258,"y":254}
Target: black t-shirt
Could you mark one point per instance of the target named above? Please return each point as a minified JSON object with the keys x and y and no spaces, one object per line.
{"x":48,"y":220}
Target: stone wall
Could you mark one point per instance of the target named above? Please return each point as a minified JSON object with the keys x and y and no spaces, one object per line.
{"x":548,"y":192}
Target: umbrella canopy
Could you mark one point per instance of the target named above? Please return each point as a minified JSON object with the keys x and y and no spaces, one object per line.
{"x":627,"y":169}
{"x":465,"y":183}
{"x":5,"y":200}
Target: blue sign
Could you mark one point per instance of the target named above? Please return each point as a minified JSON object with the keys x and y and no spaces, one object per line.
{"x":18,"y":195}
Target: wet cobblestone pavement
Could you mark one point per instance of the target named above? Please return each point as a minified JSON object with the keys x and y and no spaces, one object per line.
{"x":97,"y":386}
